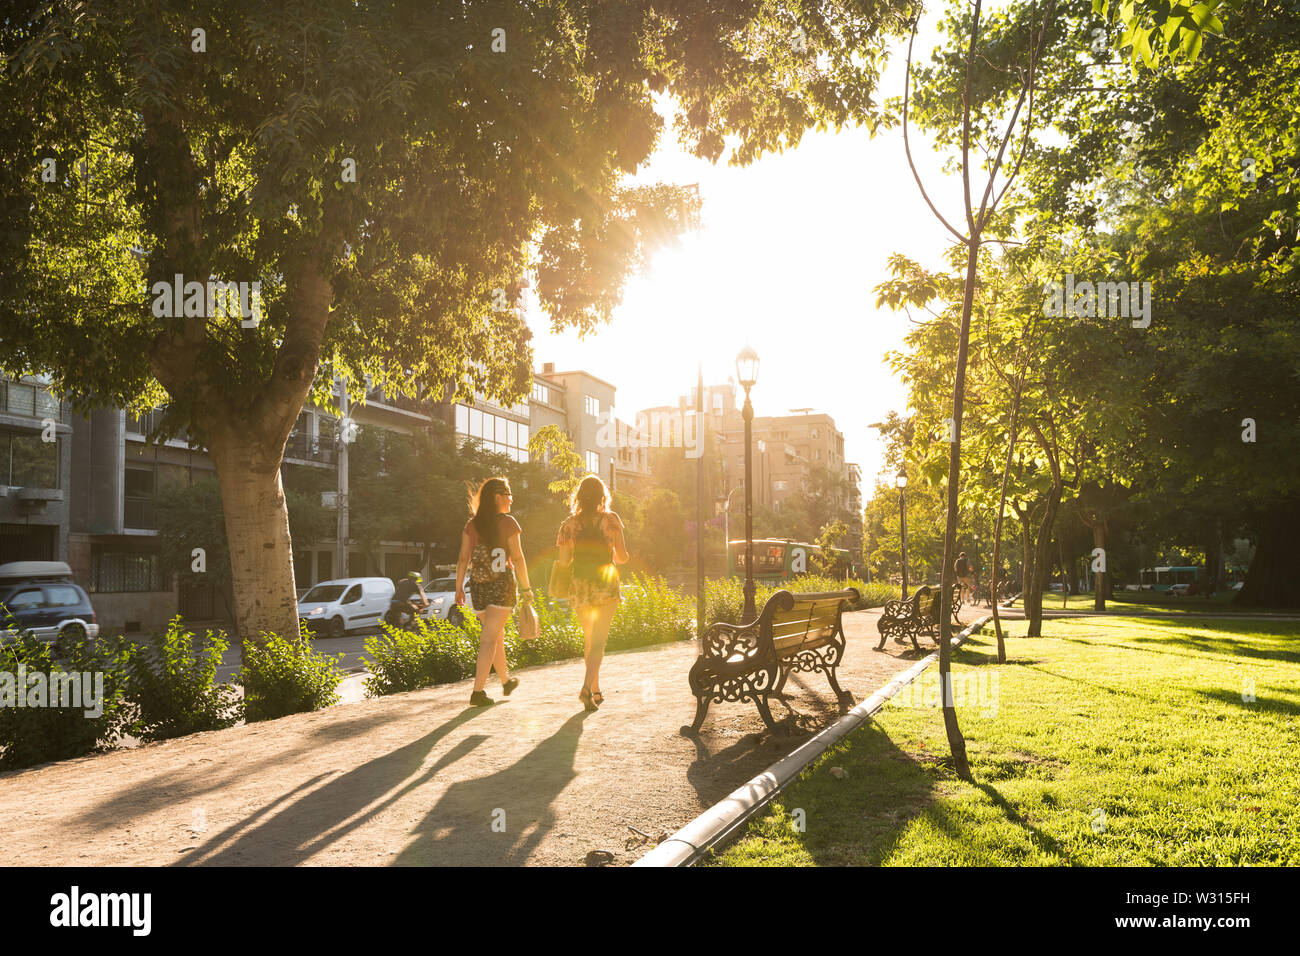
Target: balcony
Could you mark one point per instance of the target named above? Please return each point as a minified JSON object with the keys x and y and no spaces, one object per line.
{"x":405,"y":403}
{"x":302,"y":447}
{"x":146,"y":423}
{"x":30,"y":400}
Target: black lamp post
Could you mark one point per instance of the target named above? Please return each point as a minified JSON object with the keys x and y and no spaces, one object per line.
{"x":901,"y":483}
{"x":747,"y":375}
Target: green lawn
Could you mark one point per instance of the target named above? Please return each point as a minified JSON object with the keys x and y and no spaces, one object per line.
{"x":1109,"y":741}
{"x":1135,"y":602}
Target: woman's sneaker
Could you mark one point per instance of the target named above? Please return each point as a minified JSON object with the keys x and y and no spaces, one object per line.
{"x":509,"y":686}
{"x":480,"y":699}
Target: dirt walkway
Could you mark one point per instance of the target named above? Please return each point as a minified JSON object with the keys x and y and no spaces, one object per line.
{"x":420,"y":778}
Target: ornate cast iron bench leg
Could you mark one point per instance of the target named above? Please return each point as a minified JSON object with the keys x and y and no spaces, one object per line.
{"x":780,"y":681}
{"x":764,"y":712}
{"x":701,"y":709}
{"x":835,"y":685}
{"x":911,"y":632}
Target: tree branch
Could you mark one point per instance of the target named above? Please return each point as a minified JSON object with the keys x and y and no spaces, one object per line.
{"x":907,"y":148}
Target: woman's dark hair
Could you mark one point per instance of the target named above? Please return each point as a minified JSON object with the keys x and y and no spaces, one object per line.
{"x":483,"y":506}
{"x":589,"y":498}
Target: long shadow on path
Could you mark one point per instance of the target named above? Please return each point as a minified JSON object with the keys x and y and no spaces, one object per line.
{"x":500,"y":818}
{"x":305,"y":826}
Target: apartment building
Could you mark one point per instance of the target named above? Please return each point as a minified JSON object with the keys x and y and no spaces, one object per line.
{"x":787,"y":449}
{"x":35,"y":462}
{"x":582,"y":405}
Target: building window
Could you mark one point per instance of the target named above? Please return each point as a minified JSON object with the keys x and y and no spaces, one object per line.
{"x":778,"y":485}
{"x":495,"y":433}
{"x":593,"y":462}
{"x":592,"y":404}
{"x":542,"y":393}
{"x":817,"y":454}
{"x":814,"y":433}
{"x":138,"y":490}
{"x":28,"y":462}
{"x":119,"y":571}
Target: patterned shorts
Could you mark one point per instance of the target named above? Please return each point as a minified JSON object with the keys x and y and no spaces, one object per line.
{"x":602,"y":590}
{"x":498,"y":593}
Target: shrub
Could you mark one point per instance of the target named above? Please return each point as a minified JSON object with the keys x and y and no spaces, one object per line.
{"x":651,"y":613}
{"x":724,"y":599}
{"x":436,"y":652}
{"x":559,"y":634}
{"x":282,"y":677}
{"x":876,"y":593}
{"x":172,"y":684}
{"x":870,"y":595}
{"x":35,"y":734}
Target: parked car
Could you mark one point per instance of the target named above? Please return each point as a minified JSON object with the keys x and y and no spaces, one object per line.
{"x":1179,"y":590}
{"x":41,"y":596}
{"x":441,"y":593}
{"x":336,"y":607}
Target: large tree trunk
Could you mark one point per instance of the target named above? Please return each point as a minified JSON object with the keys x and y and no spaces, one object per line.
{"x":245,"y":436}
{"x":257,"y":533}
{"x":1273,"y":579}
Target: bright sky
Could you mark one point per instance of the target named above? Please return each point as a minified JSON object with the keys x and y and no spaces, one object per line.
{"x":789,"y":252}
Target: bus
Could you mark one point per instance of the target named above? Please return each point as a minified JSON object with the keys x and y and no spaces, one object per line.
{"x":777,"y":560}
{"x":1162,"y":579}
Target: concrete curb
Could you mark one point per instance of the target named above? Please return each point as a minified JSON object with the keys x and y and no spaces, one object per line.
{"x":686,"y":845}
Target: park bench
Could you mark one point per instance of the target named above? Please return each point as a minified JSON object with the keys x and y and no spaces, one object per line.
{"x":794,"y":632}
{"x":919,"y":614}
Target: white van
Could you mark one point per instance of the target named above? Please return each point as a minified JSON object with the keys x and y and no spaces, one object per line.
{"x":337,"y":606}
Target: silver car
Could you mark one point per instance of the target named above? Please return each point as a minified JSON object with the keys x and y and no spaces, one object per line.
{"x":441,"y":593}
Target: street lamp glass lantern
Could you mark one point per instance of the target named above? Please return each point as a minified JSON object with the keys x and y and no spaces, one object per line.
{"x":747,"y":367}
{"x":901,"y":480}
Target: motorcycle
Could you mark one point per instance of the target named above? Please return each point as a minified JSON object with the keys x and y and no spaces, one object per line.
{"x":403,"y":613}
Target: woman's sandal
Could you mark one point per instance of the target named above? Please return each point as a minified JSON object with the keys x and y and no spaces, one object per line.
{"x":587,"y":702}
{"x":597,"y":698}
